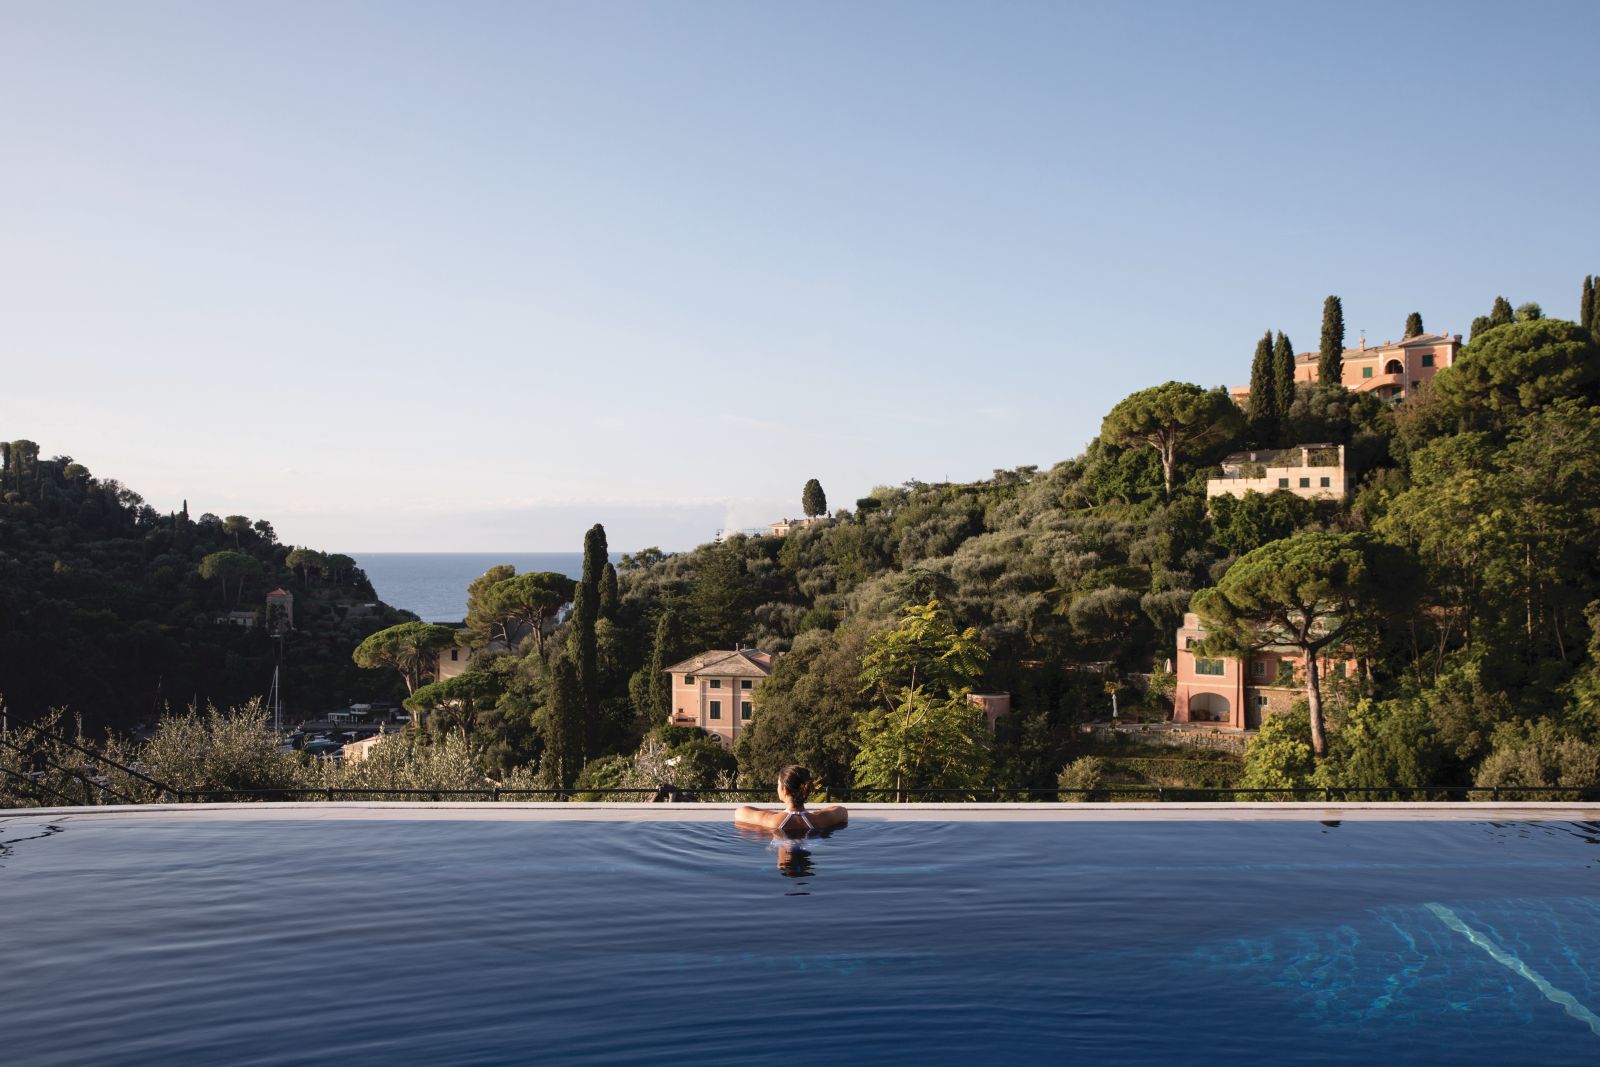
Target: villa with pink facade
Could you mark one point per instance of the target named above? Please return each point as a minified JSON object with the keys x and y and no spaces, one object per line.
{"x":1392,"y":371}
{"x":716,"y":690}
{"x":1237,"y":692}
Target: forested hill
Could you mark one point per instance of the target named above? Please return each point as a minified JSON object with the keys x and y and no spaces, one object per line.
{"x":1476,"y":504}
{"x":110,"y":609}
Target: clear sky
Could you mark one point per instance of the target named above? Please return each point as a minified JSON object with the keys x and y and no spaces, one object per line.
{"x":472,"y":276}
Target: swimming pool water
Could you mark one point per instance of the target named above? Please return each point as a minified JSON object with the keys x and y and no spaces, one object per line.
{"x":138,"y":940}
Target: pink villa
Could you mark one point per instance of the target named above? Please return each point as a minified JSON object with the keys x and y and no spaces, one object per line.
{"x":1240,"y":693}
{"x":1392,"y":370}
{"x":716,"y":690}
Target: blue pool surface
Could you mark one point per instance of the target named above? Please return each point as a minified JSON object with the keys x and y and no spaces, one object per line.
{"x":132,"y":940}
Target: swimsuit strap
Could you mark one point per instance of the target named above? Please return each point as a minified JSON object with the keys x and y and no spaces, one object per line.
{"x":805,"y":817}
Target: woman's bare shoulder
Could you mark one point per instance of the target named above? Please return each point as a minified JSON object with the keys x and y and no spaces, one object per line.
{"x":831,"y":816}
{"x":759,"y":818}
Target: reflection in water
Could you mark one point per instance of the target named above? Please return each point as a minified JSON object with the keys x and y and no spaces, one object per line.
{"x":795,"y":862}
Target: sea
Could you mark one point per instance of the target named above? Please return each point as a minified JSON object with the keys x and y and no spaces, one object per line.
{"x":434,"y":584}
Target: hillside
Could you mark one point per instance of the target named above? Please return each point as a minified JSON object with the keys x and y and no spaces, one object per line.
{"x":111,"y":610}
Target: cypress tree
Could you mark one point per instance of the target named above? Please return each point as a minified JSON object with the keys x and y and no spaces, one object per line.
{"x":1283,"y":374}
{"x":813,"y":500}
{"x":1263,"y":395}
{"x":564,"y":726}
{"x":585,"y":613}
{"x":1479,"y":325}
{"x":659,"y":685}
{"x":1330,"y":365}
{"x":1501,"y":314}
{"x":1586,"y":304}
{"x":609,"y":596}
{"x":1594,"y":310}
{"x":1413,"y":326}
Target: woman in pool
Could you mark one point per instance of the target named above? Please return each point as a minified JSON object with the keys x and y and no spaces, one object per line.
{"x":794,"y":785}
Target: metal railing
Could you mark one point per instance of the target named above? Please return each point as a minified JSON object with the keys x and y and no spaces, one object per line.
{"x":96,"y":788}
{"x":1126,"y":794}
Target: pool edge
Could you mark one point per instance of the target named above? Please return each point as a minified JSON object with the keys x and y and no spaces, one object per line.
{"x":572,"y":811}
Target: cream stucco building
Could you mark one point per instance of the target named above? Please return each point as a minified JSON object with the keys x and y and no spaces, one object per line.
{"x":1315,"y":472}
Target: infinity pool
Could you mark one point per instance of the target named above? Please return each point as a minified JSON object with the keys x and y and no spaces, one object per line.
{"x":133,"y":939}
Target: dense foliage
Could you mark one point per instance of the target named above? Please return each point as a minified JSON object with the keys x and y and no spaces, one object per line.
{"x":115,"y":611}
{"x":1463,"y":572}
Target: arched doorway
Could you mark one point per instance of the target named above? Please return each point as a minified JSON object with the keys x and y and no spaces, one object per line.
{"x":1209,"y":707}
{"x":1394,"y":366}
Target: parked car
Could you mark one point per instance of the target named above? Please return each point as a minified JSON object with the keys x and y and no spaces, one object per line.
{"x":322,"y":747}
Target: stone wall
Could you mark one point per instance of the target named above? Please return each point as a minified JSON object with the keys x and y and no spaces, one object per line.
{"x":1171,"y":737}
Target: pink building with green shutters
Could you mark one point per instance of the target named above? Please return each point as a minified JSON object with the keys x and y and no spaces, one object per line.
{"x":716,"y":690}
{"x":1237,"y":692}
{"x":1392,"y":371}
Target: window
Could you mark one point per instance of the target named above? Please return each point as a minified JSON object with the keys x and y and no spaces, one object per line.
{"x":1283,"y":483}
{"x":455,"y":654}
{"x":745,"y":683}
{"x":716,"y":683}
{"x":1189,"y":642}
{"x":716,"y":710}
{"x":744,"y":710}
{"x":1285,"y":673}
{"x":1366,"y":372}
{"x":1258,"y":669}
{"x":1208,"y":666}
{"x":1427,"y":359}
{"x":1339,"y":669}
{"x":1261,"y":702}
{"x":688,"y":679}
{"x":1305,"y":483}
{"x":1415,"y":386}
{"x":1325,"y":483}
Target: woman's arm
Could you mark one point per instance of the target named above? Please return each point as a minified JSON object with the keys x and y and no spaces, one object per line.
{"x":757,"y":818}
{"x":829,"y":818}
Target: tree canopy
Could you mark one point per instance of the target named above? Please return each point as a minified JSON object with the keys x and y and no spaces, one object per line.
{"x":1308,"y":592}
{"x":411,"y":648}
{"x":1173,"y":419}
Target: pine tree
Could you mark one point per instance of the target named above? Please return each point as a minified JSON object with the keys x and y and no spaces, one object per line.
{"x":1501,"y":314}
{"x":1330,"y":365}
{"x":1263,"y":397}
{"x":1479,"y":325}
{"x":1283,"y":374}
{"x":813,"y":500}
{"x":1413,"y":326}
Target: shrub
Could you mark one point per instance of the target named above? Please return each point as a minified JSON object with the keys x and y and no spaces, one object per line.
{"x":1086,"y":773}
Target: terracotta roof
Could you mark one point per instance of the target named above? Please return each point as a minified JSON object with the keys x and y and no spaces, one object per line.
{"x":743,"y":662}
{"x":280,"y":592}
{"x":1420,"y":339}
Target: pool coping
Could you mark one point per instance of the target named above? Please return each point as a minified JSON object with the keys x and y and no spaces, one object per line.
{"x":574,"y":811}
